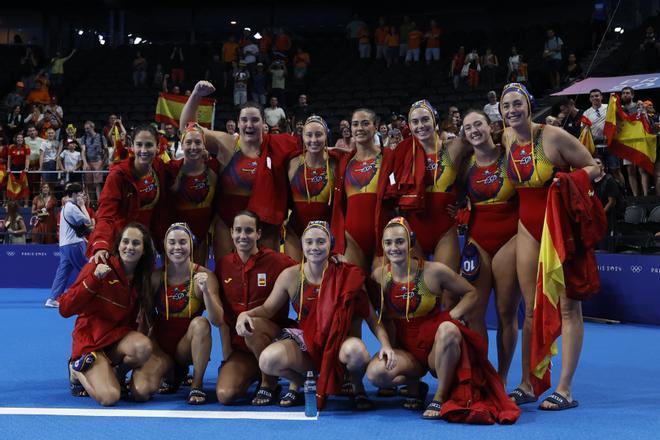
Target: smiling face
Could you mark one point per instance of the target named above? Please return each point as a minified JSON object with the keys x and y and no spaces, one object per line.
{"x":422,"y":124}
{"x":145,"y":147}
{"x":395,"y":243}
{"x":476,"y":128}
{"x":316,"y":245}
{"x":250,"y":125}
{"x":131,"y":246}
{"x":596,"y":99}
{"x":314,"y":137}
{"x":363,"y":127}
{"x":193,"y":146}
{"x":178,"y":246}
{"x":515,"y":109}
{"x":244,"y":234}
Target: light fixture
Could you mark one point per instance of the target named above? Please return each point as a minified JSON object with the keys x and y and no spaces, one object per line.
{"x":130,"y":35}
{"x":617,"y":29}
{"x":80,"y":32}
{"x":247,"y":29}
{"x":233,"y":22}
{"x":137,"y":40}
{"x":257,"y":36}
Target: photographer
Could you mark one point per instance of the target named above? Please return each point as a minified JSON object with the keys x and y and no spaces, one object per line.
{"x":75,"y":224}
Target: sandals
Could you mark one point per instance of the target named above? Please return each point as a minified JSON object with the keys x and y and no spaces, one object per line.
{"x":361,"y":402}
{"x":266,"y":396}
{"x":435,"y":405}
{"x":346,"y":388}
{"x":520,"y":397}
{"x":386,"y":392}
{"x":559,"y":400}
{"x":75,"y":387}
{"x":292,"y":398}
{"x":171,"y":383}
{"x":415,"y":403}
{"x":196,"y":396}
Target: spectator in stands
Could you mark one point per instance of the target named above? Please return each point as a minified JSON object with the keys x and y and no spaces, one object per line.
{"x":107,"y":130}
{"x":432,"y":52}
{"x":650,"y":48}
{"x":414,"y":44}
{"x":392,"y":42}
{"x":572,"y":71}
{"x":40,"y":93}
{"x":55,"y":108}
{"x":173,"y":141}
{"x":14,"y":225}
{"x":159,"y":76}
{"x":380,"y":38}
{"x":522,"y":76}
{"x":513,"y":64}
{"x":230,"y":126}
{"x":265,"y":46}
{"x":492,"y":109}
{"x":16,"y":97}
{"x":631,"y":107}
{"x":34,"y":141}
{"x":489,"y":66}
{"x":94,"y":153}
{"x":353,"y":27}
{"x":596,"y":114}
{"x":35,"y":115}
{"x":301,"y":111}
{"x":553,"y":57}
{"x":457,"y":63}
{"x":48,"y":152}
{"x":345,"y":141}
{"x":473,"y":69}
{"x":214,"y":70}
{"x":282,"y":45}
{"x":275,"y":115}
{"x":364,"y":42}
{"x":57,"y":69}
{"x":73,"y":216}
{"x":301,"y":63}
{"x":15,"y":121}
{"x":259,"y":85}
{"x":50,"y":120}
{"x":607,"y":191}
{"x":139,"y":70}
{"x":241,"y":77}
{"x":404,"y":30}
{"x":70,"y":161}
{"x":177,"y":60}
{"x":43,"y":211}
{"x":552,"y":120}
{"x":278,"y":75}
{"x":572,"y":116}
{"x":229,"y":57}
{"x":383,"y":129}
{"x":250,"y":53}
{"x":18,"y":158}
{"x":394,"y":137}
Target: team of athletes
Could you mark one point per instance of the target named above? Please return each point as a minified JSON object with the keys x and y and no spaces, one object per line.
{"x":358,"y":227}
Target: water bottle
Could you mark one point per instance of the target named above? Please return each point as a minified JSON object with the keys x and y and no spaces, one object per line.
{"x":310,"y":395}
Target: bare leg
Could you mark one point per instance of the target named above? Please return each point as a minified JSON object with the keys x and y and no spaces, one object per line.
{"x":477,"y":317}
{"x":353,"y":353}
{"x":195,"y":347}
{"x":285,"y":359}
{"x":632,"y":179}
{"x":270,"y":237}
{"x":292,"y":245}
{"x":100,"y":381}
{"x":447,"y":252}
{"x":235,"y":376}
{"x":507,"y":299}
{"x":222,"y":242}
{"x":147,"y":379}
{"x":646,"y":180}
{"x":355,"y":255}
{"x":262,"y":336}
{"x":407,"y":370}
{"x":443,"y":360}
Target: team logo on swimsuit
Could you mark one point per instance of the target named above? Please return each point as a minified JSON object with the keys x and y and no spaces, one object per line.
{"x":521,"y":163}
{"x":261,"y":280}
{"x":196,"y":188}
{"x":178,"y":299}
{"x":361,"y":173}
{"x":316,"y":181}
{"x":403,"y":295}
{"x":484,"y":183}
{"x":433,"y":168}
{"x":148,"y":186}
{"x":251,"y":168}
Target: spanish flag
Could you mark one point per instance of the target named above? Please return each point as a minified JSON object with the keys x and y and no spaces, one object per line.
{"x":3,"y":175}
{"x":169,"y":107}
{"x":18,"y":187}
{"x":586,"y":137}
{"x":630,"y":136}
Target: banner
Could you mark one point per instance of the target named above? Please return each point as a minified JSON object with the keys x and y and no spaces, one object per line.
{"x":613,"y":84}
{"x":18,"y":187}
{"x":169,"y":108}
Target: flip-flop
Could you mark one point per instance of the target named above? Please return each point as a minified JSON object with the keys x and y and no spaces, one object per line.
{"x":415,"y":403}
{"x":292,"y":398}
{"x":268,"y":396}
{"x":435,"y":405}
{"x":361,"y":402}
{"x":520,"y":397}
{"x":196,"y":392}
{"x":559,"y":400}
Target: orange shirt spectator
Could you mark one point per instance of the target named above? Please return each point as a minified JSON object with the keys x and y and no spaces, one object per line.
{"x":363,"y":35}
{"x":381,"y":35}
{"x":415,"y":39}
{"x":282,"y":42}
{"x":392,"y":40}
{"x":230,"y":52}
{"x":301,"y":60}
{"x":433,"y":38}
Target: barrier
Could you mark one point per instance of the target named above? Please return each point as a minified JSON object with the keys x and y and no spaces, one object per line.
{"x":630,"y":284}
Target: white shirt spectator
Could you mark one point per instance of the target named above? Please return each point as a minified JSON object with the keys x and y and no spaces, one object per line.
{"x":73,"y":214}
{"x":250,"y":53}
{"x":71,"y":159}
{"x":597,"y":118}
{"x":49,"y":149}
{"x":35,"y":147}
{"x":273,"y":116}
{"x":493,"y":111}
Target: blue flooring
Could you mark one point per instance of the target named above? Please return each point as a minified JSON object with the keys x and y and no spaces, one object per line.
{"x":616,"y":383}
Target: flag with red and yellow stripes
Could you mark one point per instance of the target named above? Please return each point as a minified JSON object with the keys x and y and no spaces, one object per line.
{"x":170,"y":106}
{"x":586,"y":138}
{"x":3,"y":175}
{"x":18,"y":187}
{"x":630,"y":136}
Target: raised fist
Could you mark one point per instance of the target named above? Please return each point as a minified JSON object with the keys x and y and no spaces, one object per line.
{"x":203,"y":88}
{"x":101,"y":271}
{"x":201,"y":279}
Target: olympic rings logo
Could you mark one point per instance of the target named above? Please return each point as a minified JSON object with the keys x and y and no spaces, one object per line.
{"x":11,"y":253}
{"x":636,"y":269}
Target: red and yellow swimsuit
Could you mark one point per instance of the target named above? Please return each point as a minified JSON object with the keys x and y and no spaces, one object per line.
{"x":315,"y":204}
{"x":494,"y":206}
{"x":361,"y":186}
{"x":148,"y":188}
{"x":192,"y":199}
{"x":173,"y":320}
{"x":531,"y":173}
{"x":431,"y":224}
{"x":310,"y":297}
{"x":236,"y":181}
{"x":416,"y":334}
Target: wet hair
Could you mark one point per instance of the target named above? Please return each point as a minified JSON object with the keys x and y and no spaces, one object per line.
{"x":148,"y":128}
{"x":144,"y":268}
{"x":252,"y":104}
{"x":251,"y":214}
{"x":479,"y":112}
{"x":372,"y":115}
